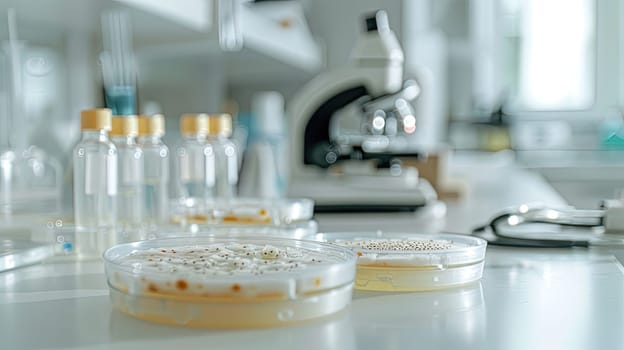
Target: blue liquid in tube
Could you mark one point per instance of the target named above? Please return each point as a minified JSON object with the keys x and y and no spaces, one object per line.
{"x":121,"y":100}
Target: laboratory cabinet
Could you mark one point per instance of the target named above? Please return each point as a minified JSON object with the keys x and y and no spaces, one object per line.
{"x":198,"y":28}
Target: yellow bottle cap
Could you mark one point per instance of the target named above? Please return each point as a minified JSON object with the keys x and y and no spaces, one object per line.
{"x":154,"y":125}
{"x":125,"y":125}
{"x":95,"y":119}
{"x":192,"y":124}
{"x":220,"y":124}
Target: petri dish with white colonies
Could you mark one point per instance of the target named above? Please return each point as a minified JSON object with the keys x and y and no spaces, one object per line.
{"x":403,"y":262}
{"x":239,"y":282}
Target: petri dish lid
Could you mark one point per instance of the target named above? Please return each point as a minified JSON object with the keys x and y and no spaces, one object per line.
{"x":301,"y":267}
{"x":296,"y":230}
{"x":16,"y":253}
{"x":226,"y":211}
{"x":442,"y":250}
{"x":281,"y":210}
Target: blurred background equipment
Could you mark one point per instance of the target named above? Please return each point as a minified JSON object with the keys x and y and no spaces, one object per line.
{"x":352,"y":126}
{"x":525,"y":78}
{"x":118,"y":64}
{"x":539,"y":226}
{"x":30,"y":177}
{"x":265,"y":168}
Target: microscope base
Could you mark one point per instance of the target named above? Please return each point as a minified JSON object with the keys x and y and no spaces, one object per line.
{"x":360,"y":194}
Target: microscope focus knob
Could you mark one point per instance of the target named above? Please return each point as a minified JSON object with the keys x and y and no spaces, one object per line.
{"x":325,"y":154}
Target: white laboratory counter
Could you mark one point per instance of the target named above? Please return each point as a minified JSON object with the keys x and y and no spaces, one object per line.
{"x":527,"y":299}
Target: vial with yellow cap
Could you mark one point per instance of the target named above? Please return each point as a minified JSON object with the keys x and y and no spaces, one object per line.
{"x":130,"y":196}
{"x":156,"y":153}
{"x":226,"y":154}
{"x":194,"y":160}
{"x":95,"y":185}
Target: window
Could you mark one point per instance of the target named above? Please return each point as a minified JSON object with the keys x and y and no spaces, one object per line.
{"x":551,"y":54}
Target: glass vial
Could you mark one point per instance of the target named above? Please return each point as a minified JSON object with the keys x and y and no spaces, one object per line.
{"x":95,"y":184}
{"x":130,"y":177}
{"x":195,"y":160}
{"x":156,"y":153}
{"x":226,"y":154}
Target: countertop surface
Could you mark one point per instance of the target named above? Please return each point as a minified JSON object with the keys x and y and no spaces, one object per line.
{"x":527,"y":298}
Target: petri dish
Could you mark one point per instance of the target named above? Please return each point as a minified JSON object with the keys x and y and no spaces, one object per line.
{"x":240,"y":282}
{"x":296,"y":230}
{"x":15,"y":253}
{"x":237,"y":211}
{"x":405,"y":262}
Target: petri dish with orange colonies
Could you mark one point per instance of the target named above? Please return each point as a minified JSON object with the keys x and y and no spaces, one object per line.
{"x":235,"y":282}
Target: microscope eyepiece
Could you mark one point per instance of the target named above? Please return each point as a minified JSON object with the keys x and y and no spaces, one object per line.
{"x":377,"y":21}
{"x":371,"y":24}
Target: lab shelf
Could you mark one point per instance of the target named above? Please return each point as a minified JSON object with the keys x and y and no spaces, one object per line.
{"x":277,"y":29}
{"x":182,"y":28}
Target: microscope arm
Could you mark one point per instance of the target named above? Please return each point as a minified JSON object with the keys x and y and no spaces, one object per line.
{"x":313,"y":108}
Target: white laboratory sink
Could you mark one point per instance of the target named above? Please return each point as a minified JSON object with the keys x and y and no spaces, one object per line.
{"x":587,"y":194}
{"x":583,"y":173}
{"x":584,"y":177}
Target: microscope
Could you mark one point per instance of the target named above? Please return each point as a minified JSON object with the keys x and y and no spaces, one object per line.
{"x":352,"y":130}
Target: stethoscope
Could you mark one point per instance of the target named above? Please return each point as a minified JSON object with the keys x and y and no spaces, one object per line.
{"x":543,"y":227}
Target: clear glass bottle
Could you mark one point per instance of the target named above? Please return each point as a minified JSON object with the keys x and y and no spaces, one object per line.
{"x":156,"y":153}
{"x":95,"y":185}
{"x":226,"y":154}
{"x":195,"y":160}
{"x":130,"y":177}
